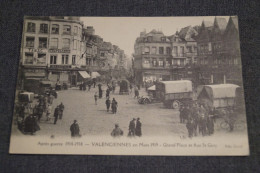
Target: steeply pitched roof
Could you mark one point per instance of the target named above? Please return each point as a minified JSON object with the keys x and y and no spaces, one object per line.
{"x":221,"y":23}
{"x":235,"y":21}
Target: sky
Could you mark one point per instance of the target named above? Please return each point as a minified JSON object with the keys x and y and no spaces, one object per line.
{"x":123,"y":31}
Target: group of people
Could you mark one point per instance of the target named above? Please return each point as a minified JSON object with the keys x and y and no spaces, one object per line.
{"x":198,"y":119}
{"x":135,"y":129}
{"x":112,"y":104}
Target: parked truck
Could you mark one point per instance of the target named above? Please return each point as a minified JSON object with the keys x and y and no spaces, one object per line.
{"x":174,"y":93}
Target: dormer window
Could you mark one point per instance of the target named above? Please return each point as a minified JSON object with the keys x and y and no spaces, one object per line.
{"x":150,"y":39}
{"x":163,"y":39}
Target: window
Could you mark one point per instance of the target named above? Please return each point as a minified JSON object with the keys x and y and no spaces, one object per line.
{"x":175,"y":50}
{"x":44,"y":28}
{"x":42,"y":42}
{"x":189,"y":49}
{"x":66,"y":29}
{"x":163,"y":39}
{"x":73,"y":59}
{"x":181,"y":51}
{"x":160,"y":50}
{"x":29,"y":41}
{"x":206,"y":61}
{"x":41,"y":58}
{"x":28,"y":58}
{"x":168,"y":63}
{"x":154,"y":62}
{"x":147,"y":50}
{"x":235,"y":61}
{"x":182,"y":62}
{"x":75,"y":30}
{"x":150,"y":39}
{"x":65,"y":59}
{"x":30,"y":27}
{"x":88,"y":61}
{"x":53,"y":59}
{"x":94,"y":62}
{"x":102,"y":54}
{"x":174,"y":62}
{"x":160,"y":63}
{"x":209,"y":47}
{"x":168,"y":50}
{"x":55,"y":29}
{"x":74,"y":44}
{"x":153,"y":51}
{"x":65,"y":43}
{"x":146,"y":62}
{"x":54,"y":43}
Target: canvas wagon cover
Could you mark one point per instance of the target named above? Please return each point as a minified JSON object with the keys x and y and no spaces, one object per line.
{"x":180,"y":86}
{"x":221,"y":90}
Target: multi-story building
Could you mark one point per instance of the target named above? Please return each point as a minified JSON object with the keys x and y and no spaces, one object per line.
{"x":51,"y":48}
{"x":152,"y":57}
{"x":219,"y":53}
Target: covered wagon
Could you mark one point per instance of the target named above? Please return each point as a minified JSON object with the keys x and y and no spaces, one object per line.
{"x":218,"y":96}
{"x":174,"y":93}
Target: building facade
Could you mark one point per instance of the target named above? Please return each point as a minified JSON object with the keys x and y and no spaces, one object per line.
{"x":51,"y":48}
{"x":219,"y":58}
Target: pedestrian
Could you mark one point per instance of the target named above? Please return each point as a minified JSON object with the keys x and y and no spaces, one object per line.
{"x":210,"y":124}
{"x":108,"y":102}
{"x":49,"y":108}
{"x":56,"y":114}
{"x":89,"y":86}
{"x":107,"y":92}
{"x":114,"y":106}
{"x":181,"y":114}
{"x":117,"y":132}
{"x":132,"y":128}
{"x":30,"y":124}
{"x":94,"y":82}
{"x":96,"y":97}
{"x":38,"y":112}
{"x":100,"y":90}
{"x":61,"y":106}
{"x":131,"y":87}
{"x":136,"y":93}
{"x":190,"y":127}
{"x":84,"y":86}
{"x":195,"y":117}
{"x":74,"y":129}
{"x":138,"y":129}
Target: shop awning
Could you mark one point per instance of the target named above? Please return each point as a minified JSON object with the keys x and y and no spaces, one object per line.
{"x":84,"y":74}
{"x":95,"y":74}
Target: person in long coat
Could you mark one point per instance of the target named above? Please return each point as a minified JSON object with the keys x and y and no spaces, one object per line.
{"x":30,"y":124}
{"x":107,"y":92}
{"x":132,"y":128}
{"x":61,"y":106}
{"x":108,"y":103}
{"x":117,"y":131}
{"x":114,"y":106}
{"x":190,"y":127}
{"x":100,"y":90}
{"x":56,"y":114}
{"x":74,"y":129}
{"x":138,"y":129}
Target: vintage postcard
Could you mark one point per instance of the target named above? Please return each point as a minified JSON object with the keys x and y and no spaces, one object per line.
{"x":130,"y":86}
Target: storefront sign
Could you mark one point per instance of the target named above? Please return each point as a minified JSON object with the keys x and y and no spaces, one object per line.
{"x":59,"y":51}
{"x":34,"y":50}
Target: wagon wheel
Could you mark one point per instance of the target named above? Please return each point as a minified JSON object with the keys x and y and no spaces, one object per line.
{"x":175,"y":104}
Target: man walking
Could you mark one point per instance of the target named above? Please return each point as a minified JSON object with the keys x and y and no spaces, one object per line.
{"x":56,"y":114}
{"x":107,"y":92}
{"x":132,"y":128}
{"x":74,"y":129}
{"x":138,"y":129}
{"x":114,"y":106}
{"x":61,"y":106}
{"x":108,"y":102}
{"x":96,"y":97}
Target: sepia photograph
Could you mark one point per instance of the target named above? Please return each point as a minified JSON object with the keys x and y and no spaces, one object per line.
{"x":130,"y":86}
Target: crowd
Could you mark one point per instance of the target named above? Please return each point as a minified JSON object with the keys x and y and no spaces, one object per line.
{"x":30,"y":115}
{"x":199,"y":120}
